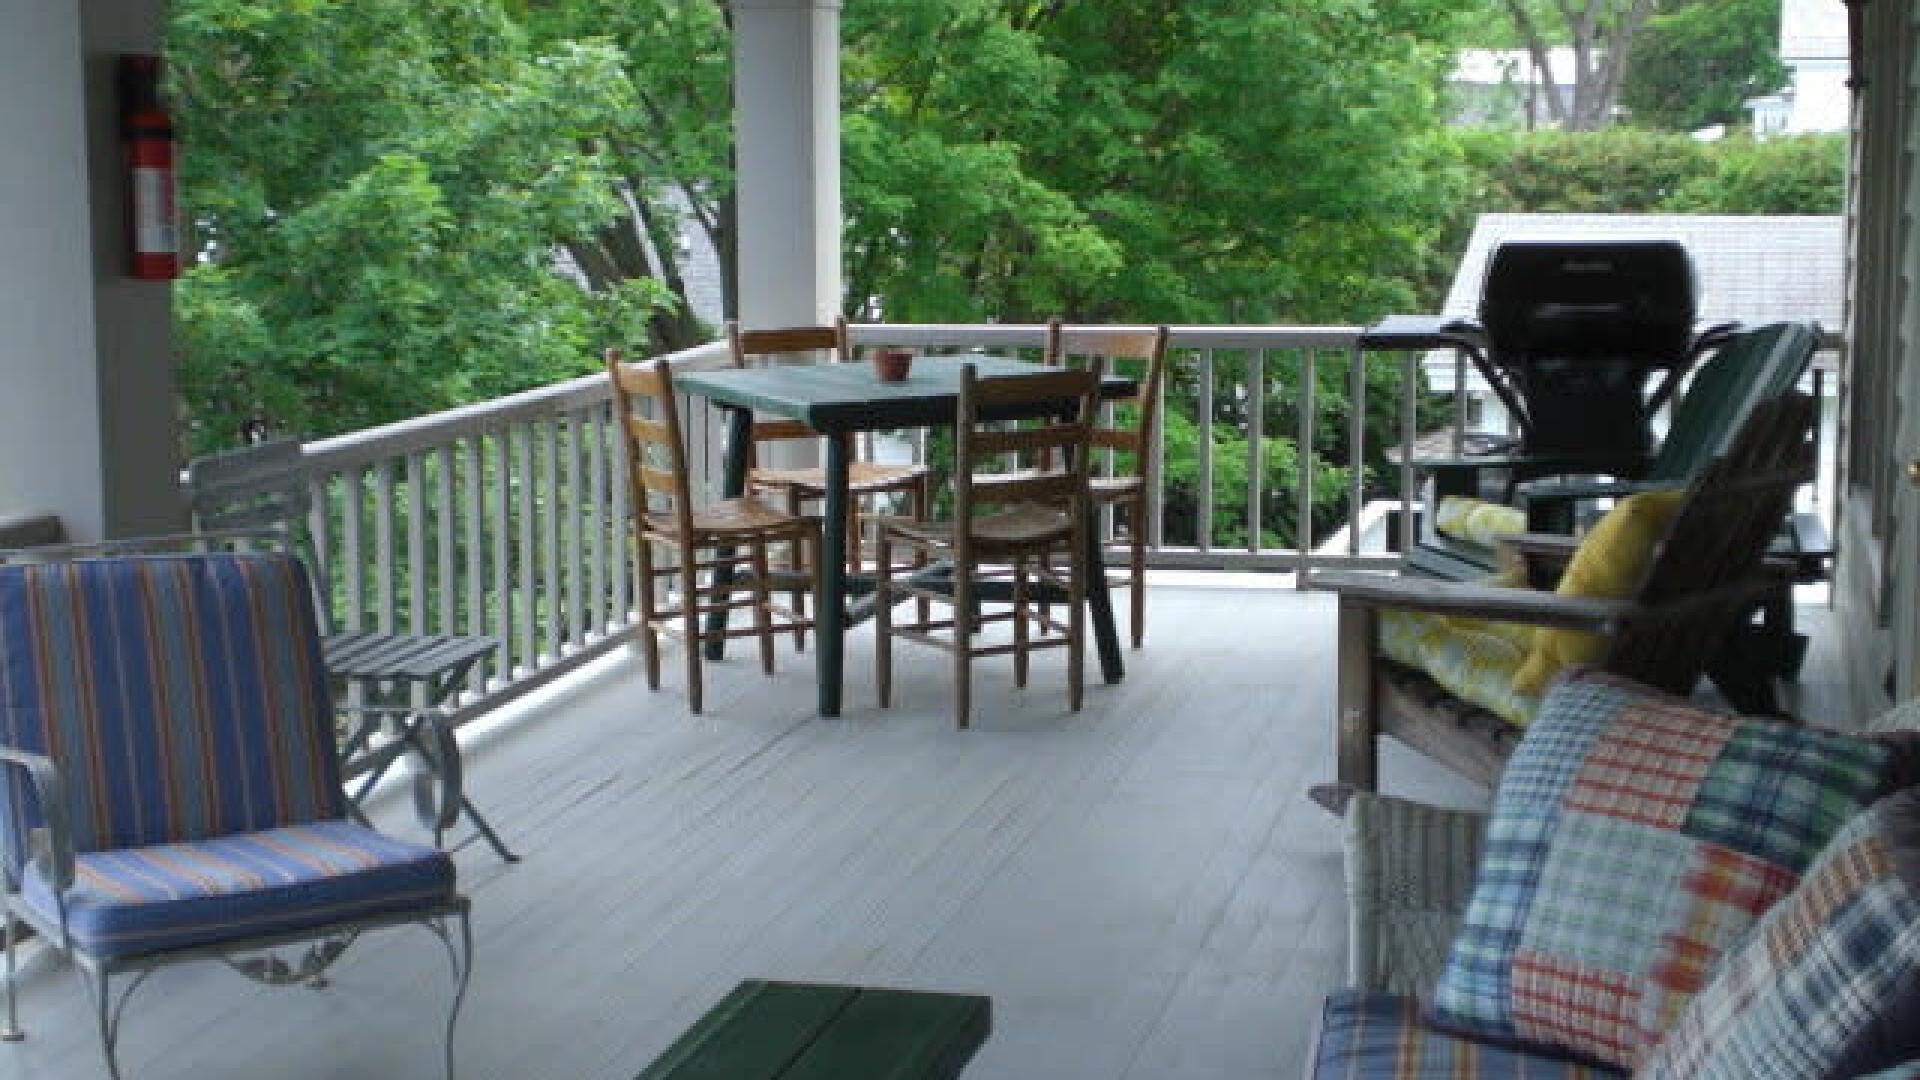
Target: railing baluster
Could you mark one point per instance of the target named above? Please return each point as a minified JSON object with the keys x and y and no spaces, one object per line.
{"x":414,"y":576}
{"x":320,"y":540}
{"x":598,"y":616}
{"x":352,"y":564}
{"x":475,"y":481}
{"x":1356,"y":433}
{"x":443,"y":517}
{"x":622,"y":554}
{"x":1256,"y":433}
{"x":1305,"y":462}
{"x":1409,"y":423}
{"x":576,"y":509}
{"x":552,"y":588}
{"x":529,"y":606}
{"x":1203,"y":523}
{"x":503,"y":615}
{"x":383,"y":593}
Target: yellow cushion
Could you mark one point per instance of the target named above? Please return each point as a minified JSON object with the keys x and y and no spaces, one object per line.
{"x":1608,"y":565}
{"x":1474,"y":659}
{"x":1477,"y":520}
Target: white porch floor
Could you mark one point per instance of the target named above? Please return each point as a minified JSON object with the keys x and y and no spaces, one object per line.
{"x":1142,"y":889}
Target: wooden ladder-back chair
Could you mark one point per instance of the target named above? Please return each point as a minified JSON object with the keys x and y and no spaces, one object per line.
{"x":1702,"y":580}
{"x":664,"y":514}
{"x":1040,"y":511}
{"x":168,"y":785}
{"x":1132,"y":486}
{"x":798,"y":485}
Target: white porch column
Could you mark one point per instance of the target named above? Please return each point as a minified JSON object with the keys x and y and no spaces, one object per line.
{"x":87,"y":425}
{"x":786,"y":80}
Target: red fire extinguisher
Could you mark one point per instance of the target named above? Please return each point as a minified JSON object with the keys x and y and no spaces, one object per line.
{"x":147,"y":133}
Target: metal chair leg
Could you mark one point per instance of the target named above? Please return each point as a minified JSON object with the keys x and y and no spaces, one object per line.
{"x":11,"y":928}
{"x":463,"y":972}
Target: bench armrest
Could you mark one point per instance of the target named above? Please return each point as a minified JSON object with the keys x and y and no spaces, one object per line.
{"x":1410,"y":873}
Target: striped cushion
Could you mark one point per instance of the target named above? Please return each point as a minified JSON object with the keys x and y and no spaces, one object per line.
{"x":183,"y":697}
{"x":143,"y":900}
{"x":1379,"y":1037}
{"x":1829,"y":984}
{"x":1635,"y":839}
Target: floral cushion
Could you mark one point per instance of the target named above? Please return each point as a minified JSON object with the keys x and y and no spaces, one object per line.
{"x":1829,"y":984}
{"x":1477,"y":520}
{"x":1634,"y":840}
{"x":1474,"y":659}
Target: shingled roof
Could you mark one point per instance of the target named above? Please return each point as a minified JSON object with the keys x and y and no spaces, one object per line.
{"x":1749,"y":269}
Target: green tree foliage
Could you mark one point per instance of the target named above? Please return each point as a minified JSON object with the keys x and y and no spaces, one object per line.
{"x":1141,"y":160}
{"x":1698,"y":63}
{"x":1798,"y":174}
{"x":1618,"y":171}
{"x":401,"y":207}
{"x":377,"y":191}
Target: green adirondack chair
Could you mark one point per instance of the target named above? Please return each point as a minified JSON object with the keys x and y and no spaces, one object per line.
{"x":1752,"y":367}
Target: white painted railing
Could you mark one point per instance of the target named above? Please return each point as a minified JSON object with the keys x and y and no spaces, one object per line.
{"x":508,"y":518}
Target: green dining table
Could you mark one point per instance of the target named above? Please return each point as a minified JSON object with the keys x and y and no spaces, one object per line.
{"x":844,"y":398}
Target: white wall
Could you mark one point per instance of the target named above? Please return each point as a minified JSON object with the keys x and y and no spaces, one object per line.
{"x":88,"y":429}
{"x":49,"y":423}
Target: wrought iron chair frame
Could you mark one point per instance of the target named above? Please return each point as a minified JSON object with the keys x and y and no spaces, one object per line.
{"x":52,"y":853}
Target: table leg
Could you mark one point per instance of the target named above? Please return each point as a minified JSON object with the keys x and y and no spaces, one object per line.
{"x":1100,"y":606}
{"x":830,"y":605}
{"x":733,"y":484}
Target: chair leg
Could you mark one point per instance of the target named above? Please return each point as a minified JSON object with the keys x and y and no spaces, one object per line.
{"x":1020,"y":621}
{"x":1077,"y":571}
{"x":11,"y":928}
{"x":762,"y":601}
{"x":797,"y":566}
{"x":1356,"y":727}
{"x":649,"y":633}
{"x":690,"y":624}
{"x":463,"y":973}
{"x":883,"y":619}
{"x":962,"y":643}
{"x":99,"y":989}
{"x":922,"y":509}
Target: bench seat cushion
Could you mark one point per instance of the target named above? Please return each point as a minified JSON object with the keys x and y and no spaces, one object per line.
{"x":1367,"y":1036}
{"x":134,"y":901}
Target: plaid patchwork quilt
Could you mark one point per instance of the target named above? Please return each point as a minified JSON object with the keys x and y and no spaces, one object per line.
{"x":1636,"y":840}
{"x":1828,"y":985}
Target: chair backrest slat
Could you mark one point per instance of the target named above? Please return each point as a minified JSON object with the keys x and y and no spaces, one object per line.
{"x":1118,"y":346}
{"x":1717,"y":540}
{"x":183,"y":696}
{"x":1059,"y":475}
{"x":1048,"y":488}
{"x":1029,"y":440}
{"x":1753,"y":367}
{"x":648,"y":438}
{"x":792,"y":339}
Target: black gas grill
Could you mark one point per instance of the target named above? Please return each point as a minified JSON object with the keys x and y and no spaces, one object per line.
{"x":1585,"y":340}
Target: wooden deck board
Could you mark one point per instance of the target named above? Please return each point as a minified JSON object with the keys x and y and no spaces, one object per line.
{"x":1142,"y":889}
